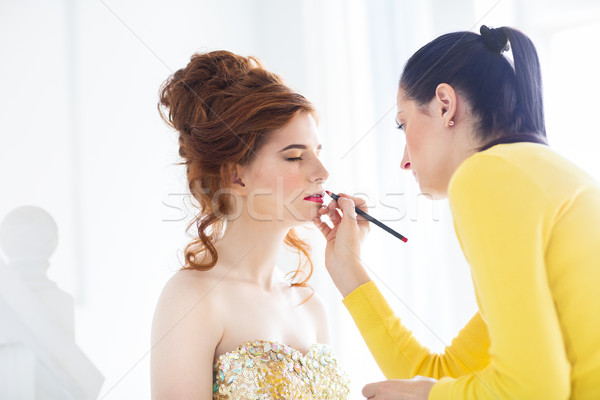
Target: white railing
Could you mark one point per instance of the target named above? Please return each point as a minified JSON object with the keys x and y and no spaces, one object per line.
{"x":39,"y":359}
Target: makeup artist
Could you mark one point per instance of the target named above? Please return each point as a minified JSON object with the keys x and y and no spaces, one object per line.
{"x":527,"y":219}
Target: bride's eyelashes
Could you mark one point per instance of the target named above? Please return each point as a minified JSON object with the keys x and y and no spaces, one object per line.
{"x":299,"y":158}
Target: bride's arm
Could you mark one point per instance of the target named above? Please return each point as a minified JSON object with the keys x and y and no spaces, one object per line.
{"x":185,"y":332}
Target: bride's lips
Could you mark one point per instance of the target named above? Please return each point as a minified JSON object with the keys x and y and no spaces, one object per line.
{"x":317,"y":198}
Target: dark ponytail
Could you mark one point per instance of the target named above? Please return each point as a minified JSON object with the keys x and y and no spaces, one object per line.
{"x":528,"y":81}
{"x":506,"y":98}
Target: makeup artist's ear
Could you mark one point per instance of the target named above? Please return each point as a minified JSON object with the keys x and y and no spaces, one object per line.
{"x":445,"y":104}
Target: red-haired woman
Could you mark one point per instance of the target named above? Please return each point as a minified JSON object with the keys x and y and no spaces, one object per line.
{"x":228,"y":324}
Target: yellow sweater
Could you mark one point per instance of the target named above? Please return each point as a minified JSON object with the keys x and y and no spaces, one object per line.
{"x":528,"y":222}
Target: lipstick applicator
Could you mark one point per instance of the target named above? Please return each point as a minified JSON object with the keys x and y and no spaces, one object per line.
{"x":369,"y":218}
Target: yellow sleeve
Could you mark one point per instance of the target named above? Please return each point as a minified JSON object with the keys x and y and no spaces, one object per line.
{"x":399,"y":355}
{"x":503,"y":220}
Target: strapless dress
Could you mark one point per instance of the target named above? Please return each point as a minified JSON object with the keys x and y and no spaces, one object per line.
{"x":270,"y":370}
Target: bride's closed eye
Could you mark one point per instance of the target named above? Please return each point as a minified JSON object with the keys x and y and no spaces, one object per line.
{"x":299,"y":158}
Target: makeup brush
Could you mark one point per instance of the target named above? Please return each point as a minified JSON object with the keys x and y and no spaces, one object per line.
{"x":369,"y":218}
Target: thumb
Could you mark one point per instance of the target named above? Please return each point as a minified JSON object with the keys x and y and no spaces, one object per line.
{"x":347,"y":206}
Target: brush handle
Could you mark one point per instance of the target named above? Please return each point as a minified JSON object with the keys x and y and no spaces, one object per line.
{"x":380,"y":224}
{"x":373,"y":220}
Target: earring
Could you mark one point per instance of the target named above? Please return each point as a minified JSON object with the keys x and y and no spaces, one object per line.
{"x":451,"y":123}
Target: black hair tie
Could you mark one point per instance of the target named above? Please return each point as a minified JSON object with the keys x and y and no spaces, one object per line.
{"x":494,"y":39}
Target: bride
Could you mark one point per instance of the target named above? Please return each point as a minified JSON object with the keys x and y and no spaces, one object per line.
{"x":229,"y":325}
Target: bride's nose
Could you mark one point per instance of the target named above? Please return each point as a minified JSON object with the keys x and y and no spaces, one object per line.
{"x":319,"y":173}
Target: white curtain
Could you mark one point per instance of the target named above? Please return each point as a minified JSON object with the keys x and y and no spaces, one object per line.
{"x":355,"y":53}
{"x":81,"y":137}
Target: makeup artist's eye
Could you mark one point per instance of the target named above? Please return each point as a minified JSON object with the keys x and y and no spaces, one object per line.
{"x":399,"y":125}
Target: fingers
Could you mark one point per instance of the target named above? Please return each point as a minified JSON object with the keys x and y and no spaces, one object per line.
{"x":334,"y":215}
{"x":417,"y":389}
{"x":347,"y":206}
{"x":332,"y":212}
{"x":369,"y":390}
{"x":345,"y":203}
{"x":358,"y":202}
{"x":323,"y":227}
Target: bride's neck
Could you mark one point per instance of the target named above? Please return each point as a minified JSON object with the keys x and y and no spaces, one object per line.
{"x":250,"y":248}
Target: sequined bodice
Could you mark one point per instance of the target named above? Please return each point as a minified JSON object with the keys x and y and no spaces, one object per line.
{"x":271,"y":370}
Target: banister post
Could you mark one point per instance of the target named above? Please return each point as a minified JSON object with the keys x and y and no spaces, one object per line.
{"x":28,"y":237}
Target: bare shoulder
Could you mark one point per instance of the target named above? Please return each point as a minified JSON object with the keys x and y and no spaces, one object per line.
{"x":316,"y":307}
{"x":188,"y":289}
{"x":189,"y":298}
{"x":185,"y":332}
{"x":315,"y":302}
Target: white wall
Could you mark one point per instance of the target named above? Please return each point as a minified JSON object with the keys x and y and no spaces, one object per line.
{"x":81,"y":137}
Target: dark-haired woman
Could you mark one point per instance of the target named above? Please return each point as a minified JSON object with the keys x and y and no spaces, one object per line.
{"x":528,"y":222}
{"x":228,"y":325}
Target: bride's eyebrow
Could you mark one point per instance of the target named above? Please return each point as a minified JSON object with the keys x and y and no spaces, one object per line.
{"x":298,"y":146}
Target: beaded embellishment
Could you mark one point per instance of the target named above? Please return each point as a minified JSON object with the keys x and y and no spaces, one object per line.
{"x":264,"y":370}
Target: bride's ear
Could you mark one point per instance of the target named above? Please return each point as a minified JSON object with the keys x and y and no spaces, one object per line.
{"x":233,"y":175}
{"x":236,"y":180}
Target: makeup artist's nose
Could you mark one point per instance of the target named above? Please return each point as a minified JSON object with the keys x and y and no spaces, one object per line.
{"x":405,"y":163}
{"x":320,"y":172}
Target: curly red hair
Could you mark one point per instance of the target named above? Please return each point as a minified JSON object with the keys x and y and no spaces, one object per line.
{"x":224,"y":106}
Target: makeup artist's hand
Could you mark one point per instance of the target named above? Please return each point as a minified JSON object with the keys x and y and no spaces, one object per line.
{"x":417,"y":388}
{"x":342,"y":254}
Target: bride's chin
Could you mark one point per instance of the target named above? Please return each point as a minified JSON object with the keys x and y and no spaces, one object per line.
{"x":300,"y":221}
{"x":304,"y":219}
